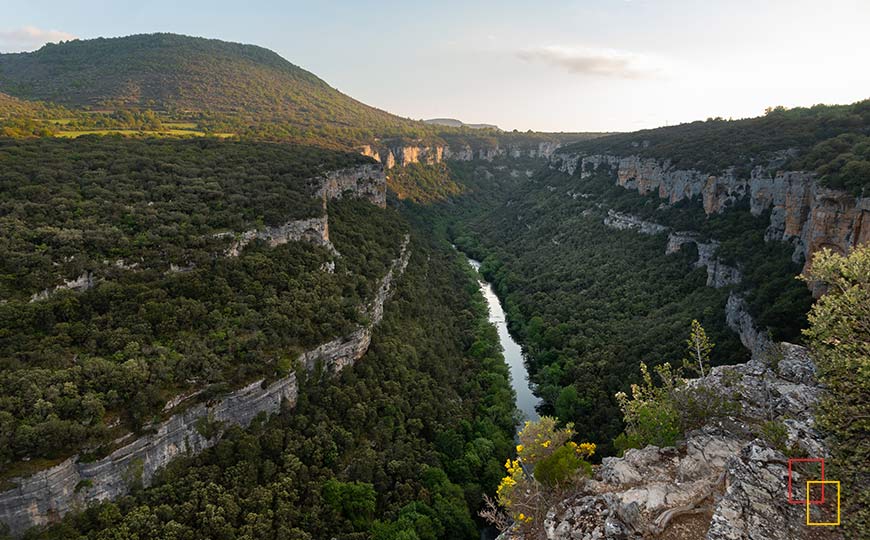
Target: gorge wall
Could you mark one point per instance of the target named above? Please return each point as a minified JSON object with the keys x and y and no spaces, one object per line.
{"x":719,"y":274}
{"x":391,"y":155}
{"x":189,"y":427}
{"x":802,"y":212}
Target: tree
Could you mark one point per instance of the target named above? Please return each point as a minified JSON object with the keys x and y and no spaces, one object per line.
{"x":839,"y":336}
{"x":698,"y":348}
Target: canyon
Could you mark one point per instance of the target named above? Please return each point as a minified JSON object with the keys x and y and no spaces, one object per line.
{"x":802,"y":212}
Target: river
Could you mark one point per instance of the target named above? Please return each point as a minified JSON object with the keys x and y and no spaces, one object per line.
{"x":513,"y":353}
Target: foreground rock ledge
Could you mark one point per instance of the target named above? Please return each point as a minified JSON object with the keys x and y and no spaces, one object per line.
{"x":722,"y":482}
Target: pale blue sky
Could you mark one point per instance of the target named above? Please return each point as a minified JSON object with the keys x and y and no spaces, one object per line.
{"x":545,"y":65}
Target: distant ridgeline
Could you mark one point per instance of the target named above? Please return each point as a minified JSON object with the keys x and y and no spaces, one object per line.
{"x":178,"y":85}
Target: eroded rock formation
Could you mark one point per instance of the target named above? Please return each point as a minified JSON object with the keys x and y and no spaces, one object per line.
{"x":810,"y":216}
{"x":391,"y":155}
{"x":48,"y":495}
{"x":719,"y":274}
{"x":622,"y":222}
{"x":81,"y":283}
{"x":724,"y":482}
{"x":314,"y":230}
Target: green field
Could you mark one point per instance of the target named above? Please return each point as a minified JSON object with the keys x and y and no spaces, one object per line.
{"x":137,"y":132}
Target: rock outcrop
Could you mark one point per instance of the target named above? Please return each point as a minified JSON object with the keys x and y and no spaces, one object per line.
{"x":48,"y":495}
{"x":723,"y":482}
{"x":314,"y":230}
{"x":391,"y":155}
{"x":81,"y":283}
{"x":368,"y":182}
{"x":810,"y":216}
{"x":719,"y":274}
{"x":622,"y":222}
{"x":739,"y":320}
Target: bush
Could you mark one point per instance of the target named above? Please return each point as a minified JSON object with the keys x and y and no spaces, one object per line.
{"x":561,"y":467}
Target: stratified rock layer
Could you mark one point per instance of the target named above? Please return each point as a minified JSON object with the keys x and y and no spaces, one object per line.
{"x":391,"y":155}
{"x":810,"y":216}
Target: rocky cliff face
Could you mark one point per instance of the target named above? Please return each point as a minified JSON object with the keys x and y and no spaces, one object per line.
{"x":801,"y":211}
{"x":364,"y":181}
{"x":723,"y":482}
{"x":622,"y":222}
{"x":81,"y":283}
{"x":314,"y":230}
{"x":391,"y":155}
{"x":47,"y":496}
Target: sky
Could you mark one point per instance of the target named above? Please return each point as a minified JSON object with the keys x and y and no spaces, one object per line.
{"x":545,"y":65}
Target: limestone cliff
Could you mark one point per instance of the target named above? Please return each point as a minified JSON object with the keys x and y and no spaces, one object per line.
{"x":364,"y":181}
{"x":391,"y":155}
{"x":810,"y":216}
{"x":48,"y":495}
{"x":723,"y":482}
{"x":314,"y":230}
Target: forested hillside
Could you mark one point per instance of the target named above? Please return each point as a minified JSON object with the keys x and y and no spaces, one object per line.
{"x":226,"y":86}
{"x":828,"y":139}
{"x":162,"y":307}
{"x":401,"y":445}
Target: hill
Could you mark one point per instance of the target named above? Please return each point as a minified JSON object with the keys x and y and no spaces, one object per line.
{"x":229,"y":85}
{"x":453,"y":122}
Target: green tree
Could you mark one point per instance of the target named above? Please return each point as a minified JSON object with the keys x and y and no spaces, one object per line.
{"x":839,"y":336}
{"x":698,"y":347}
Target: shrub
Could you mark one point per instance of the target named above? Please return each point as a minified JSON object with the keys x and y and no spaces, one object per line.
{"x":558,"y":462}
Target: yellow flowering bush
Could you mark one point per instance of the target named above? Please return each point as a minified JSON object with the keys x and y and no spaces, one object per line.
{"x":540,"y":439}
{"x":557,"y":462}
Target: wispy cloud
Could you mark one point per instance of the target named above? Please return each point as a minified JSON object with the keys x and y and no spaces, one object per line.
{"x":595,"y":62}
{"x":28,"y":38}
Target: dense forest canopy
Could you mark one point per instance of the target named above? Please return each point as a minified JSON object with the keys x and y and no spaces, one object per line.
{"x":74,"y":361}
{"x":818,"y":138}
{"x":68,"y":206}
{"x":401,"y":445}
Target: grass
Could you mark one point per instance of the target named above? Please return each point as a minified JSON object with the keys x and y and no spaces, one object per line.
{"x":180,"y":125}
{"x":135,"y":132}
{"x":25,"y":468}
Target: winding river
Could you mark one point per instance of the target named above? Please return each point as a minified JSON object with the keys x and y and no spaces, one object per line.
{"x":513,"y":353}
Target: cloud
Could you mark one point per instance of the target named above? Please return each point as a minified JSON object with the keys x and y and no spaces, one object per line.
{"x":28,"y":38}
{"x":595,"y":62}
